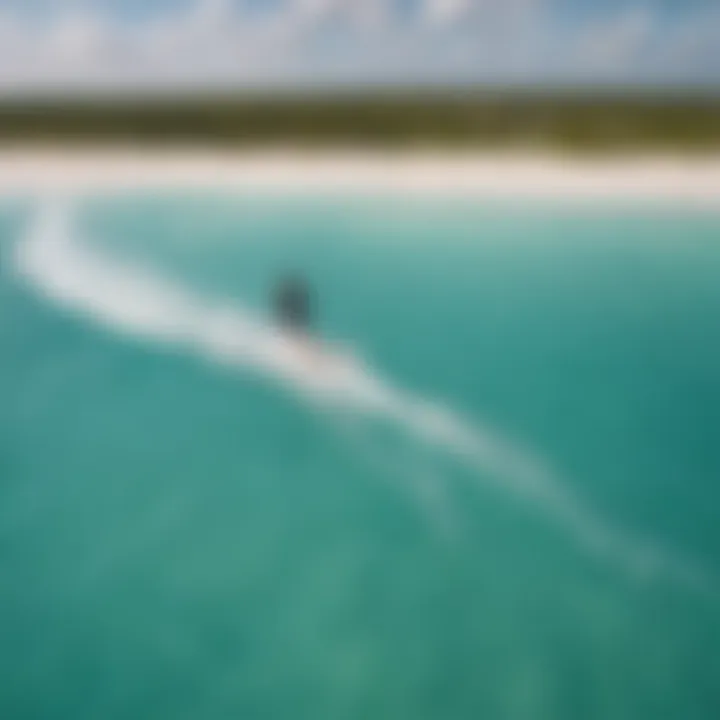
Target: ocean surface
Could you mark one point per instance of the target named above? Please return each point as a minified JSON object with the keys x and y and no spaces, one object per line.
{"x":496,"y":494}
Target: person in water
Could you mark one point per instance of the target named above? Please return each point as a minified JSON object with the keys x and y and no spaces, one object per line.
{"x":292,"y":304}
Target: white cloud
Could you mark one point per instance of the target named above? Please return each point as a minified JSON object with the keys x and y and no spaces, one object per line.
{"x":78,"y":37}
{"x":445,"y":12}
{"x":221,"y":41}
{"x":481,"y":13}
{"x":213,"y":13}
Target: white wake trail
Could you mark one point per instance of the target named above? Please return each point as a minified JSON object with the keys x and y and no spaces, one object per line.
{"x":129,"y":300}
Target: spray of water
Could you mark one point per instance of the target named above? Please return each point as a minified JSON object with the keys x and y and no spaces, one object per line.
{"x":128,"y":299}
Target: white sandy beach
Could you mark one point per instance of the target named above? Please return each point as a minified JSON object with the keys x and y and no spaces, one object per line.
{"x":41,"y":171}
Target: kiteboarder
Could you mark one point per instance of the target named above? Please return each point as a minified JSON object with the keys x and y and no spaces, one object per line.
{"x":292,"y":304}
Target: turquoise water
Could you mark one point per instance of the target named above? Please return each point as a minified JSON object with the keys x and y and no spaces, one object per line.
{"x":507,"y":509}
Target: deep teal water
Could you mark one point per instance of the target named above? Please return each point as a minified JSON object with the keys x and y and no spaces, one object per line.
{"x":185,"y":539}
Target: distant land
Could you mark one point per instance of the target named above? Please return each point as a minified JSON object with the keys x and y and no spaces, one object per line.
{"x":570,"y":119}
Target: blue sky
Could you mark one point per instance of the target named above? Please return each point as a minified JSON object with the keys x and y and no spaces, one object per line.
{"x":149,"y":45}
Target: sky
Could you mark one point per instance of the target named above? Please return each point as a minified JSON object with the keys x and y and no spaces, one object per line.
{"x":69,"y":46}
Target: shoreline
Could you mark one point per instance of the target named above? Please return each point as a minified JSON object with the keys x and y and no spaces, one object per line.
{"x":465,"y":174}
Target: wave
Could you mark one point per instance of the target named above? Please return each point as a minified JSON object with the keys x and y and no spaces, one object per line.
{"x":130,"y":300}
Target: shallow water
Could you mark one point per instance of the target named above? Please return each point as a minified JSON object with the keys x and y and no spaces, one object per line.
{"x":505,"y":505}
